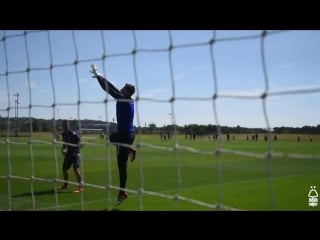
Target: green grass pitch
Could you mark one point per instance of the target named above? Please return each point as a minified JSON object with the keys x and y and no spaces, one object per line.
{"x":28,"y":173}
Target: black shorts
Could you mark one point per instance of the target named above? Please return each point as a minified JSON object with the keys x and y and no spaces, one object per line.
{"x":126,"y":138}
{"x":71,"y":160}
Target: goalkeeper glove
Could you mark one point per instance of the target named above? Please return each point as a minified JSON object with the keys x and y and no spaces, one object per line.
{"x":95,"y":71}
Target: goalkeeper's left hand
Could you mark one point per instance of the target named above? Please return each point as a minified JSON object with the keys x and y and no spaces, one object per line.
{"x":95,"y":71}
{"x":76,"y":153}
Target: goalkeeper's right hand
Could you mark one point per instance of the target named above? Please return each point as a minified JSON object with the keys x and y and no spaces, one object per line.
{"x":63,"y":151}
{"x":94,"y":71}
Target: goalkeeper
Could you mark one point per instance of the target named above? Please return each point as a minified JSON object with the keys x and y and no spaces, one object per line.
{"x":124,"y":137}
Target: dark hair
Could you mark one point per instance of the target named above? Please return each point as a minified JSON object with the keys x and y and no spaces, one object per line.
{"x":65,"y":123}
{"x":131,"y":88}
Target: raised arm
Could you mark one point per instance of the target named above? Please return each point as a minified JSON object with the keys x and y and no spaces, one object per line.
{"x":105,"y":84}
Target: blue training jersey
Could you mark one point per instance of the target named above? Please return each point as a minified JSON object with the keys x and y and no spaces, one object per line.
{"x":125,"y":115}
{"x":125,"y":106}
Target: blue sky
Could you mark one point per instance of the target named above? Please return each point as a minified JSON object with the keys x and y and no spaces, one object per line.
{"x":292,"y":61}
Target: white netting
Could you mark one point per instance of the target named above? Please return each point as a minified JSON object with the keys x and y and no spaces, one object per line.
{"x":49,"y":83}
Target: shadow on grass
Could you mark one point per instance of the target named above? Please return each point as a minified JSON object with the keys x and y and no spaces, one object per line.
{"x":39,"y":193}
{"x":113,"y":209}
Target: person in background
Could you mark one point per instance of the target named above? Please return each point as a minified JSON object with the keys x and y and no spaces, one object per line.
{"x":71,"y":152}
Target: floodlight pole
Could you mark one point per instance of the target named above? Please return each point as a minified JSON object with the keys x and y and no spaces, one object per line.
{"x":16,"y":111}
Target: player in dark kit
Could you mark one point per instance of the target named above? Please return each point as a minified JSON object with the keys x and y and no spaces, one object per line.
{"x":125,"y":129}
{"x":71,"y":155}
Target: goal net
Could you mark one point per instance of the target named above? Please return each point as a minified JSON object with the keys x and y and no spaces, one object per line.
{"x":224,"y":120}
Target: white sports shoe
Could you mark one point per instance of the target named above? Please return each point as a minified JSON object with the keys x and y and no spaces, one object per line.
{"x":95,"y":71}
{"x":121,"y":197}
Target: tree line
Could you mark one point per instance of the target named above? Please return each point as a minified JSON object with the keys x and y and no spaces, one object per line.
{"x":24,"y":124}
